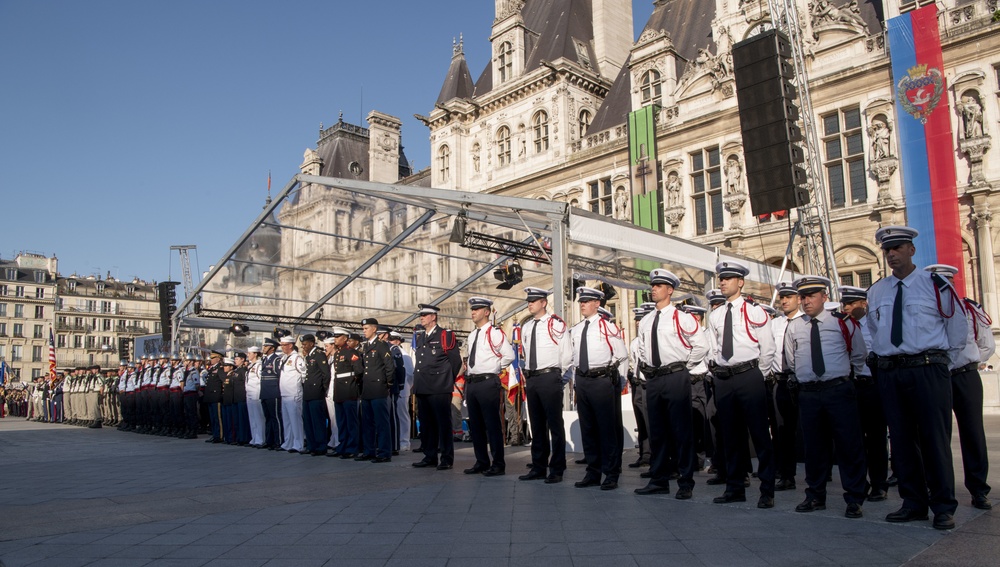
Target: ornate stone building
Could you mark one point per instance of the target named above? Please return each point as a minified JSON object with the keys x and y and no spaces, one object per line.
{"x":27,"y":301}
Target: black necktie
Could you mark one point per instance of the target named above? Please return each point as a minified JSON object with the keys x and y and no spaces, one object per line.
{"x":584,"y":358}
{"x":727,"y":333}
{"x":896,"y":334}
{"x":654,"y":342}
{"x":819,"y":365}
{"x":532,"y":355}
{"x":472,"y":352}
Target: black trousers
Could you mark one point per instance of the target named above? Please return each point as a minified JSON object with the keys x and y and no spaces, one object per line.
{"x":918,"y":406}
{"x":671,"y":440}
{"x":784,"y":413}
{"x":393,"y":422}
{"x":484,"y":400}
{"x":830,"y":417}
{"x":176,"y":410}
{"x":599,"y":406}
{"x":191,"y":412}
{"x":434,"y":413}
{"x":545,"y":407}
{"x":873,"y":429}
{"x":967,"y":396}
{"x":273,"y":433}
{"x":639,"y":408}
{"x":741,"y":400}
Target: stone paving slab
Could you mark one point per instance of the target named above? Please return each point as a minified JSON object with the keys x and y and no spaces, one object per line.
{"x":101,"y":497}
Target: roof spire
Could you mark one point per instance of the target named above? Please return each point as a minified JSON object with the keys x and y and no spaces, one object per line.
{"x":457,"y":49}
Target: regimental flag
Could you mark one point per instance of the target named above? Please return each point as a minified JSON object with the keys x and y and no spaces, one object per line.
{"x":647,"y":198}
{"x":52,"y":357}
{"x":926,"y":145}
{"x":3,"y":372}
{"x":512,"y":382}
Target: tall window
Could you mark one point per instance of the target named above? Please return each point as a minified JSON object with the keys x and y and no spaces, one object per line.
{"x":19,"y":291}
{"x":584,"y":123}
{"x":444,"y":263}
{"x":19,"y":330}
{"x":503,"y":146}
{"x":540,"y":125}
{"x":845,"y":164}
{"x":859,"y":278}
{"x":36,"y":354}
{"x":3,"y":329}
{"x":39,"y":293}
{"x":39,"y":312}
{"x":444,"y":162}
{"x":38,"y":332}
{"x":16,"y":353}
{"x":601,"y":198}
{"x":505,"y":61}
{"x":60,"y":341}
{"x":3,"y":309}
{"x":706,"y":189}
{"x":651,"y":86}
{"x":19,"y":311}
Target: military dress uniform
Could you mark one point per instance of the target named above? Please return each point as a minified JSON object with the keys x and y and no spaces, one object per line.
{"x":745,"y":344}
{"x":213,"y":401}
{"x":241,"y":415}
{"x":255,"y":410}
{"x":190,"y":390}
{"x":229,"y":401}
{"x":314,"y":387}
{"x":823,"y":351}
{"x":670,"y":343}
{"x":489,"y":354}
{"x":782,"y":406}
{"x":600,"y":360}
{"x":376,"y":384}
{"x":293,"y":372}
{"x":967,"y":395}
{"x":914,"y":340}
{"x":438,"y":362}
{"x":348,"y":368}
{"x":548,"y":355}
{"x":177,"y":399}
{"x":270,"y":397}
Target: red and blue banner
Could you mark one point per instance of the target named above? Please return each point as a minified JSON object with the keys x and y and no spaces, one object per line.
{"x":926,"y":144}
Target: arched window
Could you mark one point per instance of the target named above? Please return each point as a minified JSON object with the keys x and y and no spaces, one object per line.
{"x":585,"y":119}
{"x":540,"y":124}
{"x":505,"y":61}
{"x":503,"y":146}
{"x":650,"y":88}
{"x":444,"y":162}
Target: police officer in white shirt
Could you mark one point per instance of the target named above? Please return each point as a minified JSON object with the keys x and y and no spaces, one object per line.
{"x":917,"y":329}
{"x":255,"y":410}
{"x":745,"y":345}
{"x":823,"y":350}
{"x":670,"y":344}
{"x":783,"y":409}
{"x":600,"y":360}
{"x":489,"y":353}
{"x":967,"y":395}
{"x":547,"y":357}
{"x":293,"y":373}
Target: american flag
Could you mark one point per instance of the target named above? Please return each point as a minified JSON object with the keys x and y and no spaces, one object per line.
{"x":52,"y":356}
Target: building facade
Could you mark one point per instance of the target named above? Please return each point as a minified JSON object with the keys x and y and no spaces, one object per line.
{"x":27,"y":307}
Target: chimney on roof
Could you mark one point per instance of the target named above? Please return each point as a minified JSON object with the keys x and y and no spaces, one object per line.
{"x":613,"y":34}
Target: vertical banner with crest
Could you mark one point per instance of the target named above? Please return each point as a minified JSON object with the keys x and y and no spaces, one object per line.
{"x":927,"y":147}
{"x":647,"y":197}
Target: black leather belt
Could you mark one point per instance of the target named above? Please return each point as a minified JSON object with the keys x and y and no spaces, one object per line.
{"x":912,"y":360}
{"x":598,"y":373}
{"x":967,"y":368}
{"x":724,"y":372}
{"x":542,"y":372}
{"x":695,"y":378}
{"x":657,"y":371}
{"x":864,"y":379}
{"x":819,"y":385}
{"x":477,"y":378}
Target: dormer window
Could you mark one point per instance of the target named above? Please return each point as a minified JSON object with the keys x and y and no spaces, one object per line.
{"x":585,"y":118}
{"x":71,"y":285}
{"x":650,"y":88}
{"x":130,"y":289}
{"x":12,"y":273}
{"x":39,"y":276}
{"x":100,"y":287}
{"x":505,"y":61}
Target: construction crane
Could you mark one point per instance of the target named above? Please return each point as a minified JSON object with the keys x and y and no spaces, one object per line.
{"x":186,"y":266}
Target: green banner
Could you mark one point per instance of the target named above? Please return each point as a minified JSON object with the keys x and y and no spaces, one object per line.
{"x":647,"y":197}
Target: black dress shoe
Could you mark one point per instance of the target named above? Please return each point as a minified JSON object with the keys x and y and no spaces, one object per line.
{"x":553,"y":479}
{"x":765,"y":502}
{"x":853,"y":510}
{"x":424,"y":464}
{"x":346,"y":456}
{"x":729,"y":497}
{"x":395,"y":453}
{"x":653,"y":489}
{"x":683,"y":494}
{"x":944,"y":521}
{"x":444,"y":466}
{"x":381,"y":459}
{"x":646,"y":474}
{"x":877,"y":495}
{"x":639,"y":463}
{"x":318,"y":453}
{"x":810,"y":505}
{"x":609,"y":485}
{"x":580,"y":461}
{"x":333,"y":454}
{"x":784,"y":485}
{"x":716,"y":480}
{"x":364,"y":458}
{"x":905,"y":515}
{"x":982,"y":502}
{"x":892,"y":481}
{"x":293,"y":451}
{"x":494,"y":471}
{"x":587,"y":481}
{"x":475,"y":470}
{"x":532,"y":475}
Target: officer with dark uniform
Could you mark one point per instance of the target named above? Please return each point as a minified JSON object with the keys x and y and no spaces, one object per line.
{"x":270,"y":394}
{"x":967,"y":394}
{"x":229,"y":401}
{"x":347,"y":368}
{"x":241,"y":416}
{"x":783,"y":409}
{"x":437,"y":364}
{"x":190,"y":389}
{"x":917,"y":330}
{"x":823,"y":350}
{"x":213,"y":396}
{"x":745,"y":344}
{"x":600,"y":360}
{"x":398,"y":381}
{"x":700,"y":392}
{"x":376,"y":382}
{"x":873,"y":427}
{"x":548,"y":355}
{"x":670,"y":342}
{"x":489,"y":354}
{"x":637,"y":381}
{"x":314,"y":386}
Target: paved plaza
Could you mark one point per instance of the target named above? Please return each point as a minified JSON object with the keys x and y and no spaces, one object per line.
{"x":73,"y":497}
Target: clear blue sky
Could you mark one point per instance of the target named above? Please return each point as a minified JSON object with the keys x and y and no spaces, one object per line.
{"x":129,"y":126}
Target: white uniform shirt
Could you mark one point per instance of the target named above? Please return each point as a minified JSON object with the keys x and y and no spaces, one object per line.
{"x":798,"y":345}
{"x":293,"y":372}
{"x":678,"y":339}
{"x":758,"y":345}
{"x":253,"y":381}
{"x":605,"y":345}
{"x":552,"y":350}
{"x":924,"y":327}
{"x":493,"y":352}
{"x":781,"y":359}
